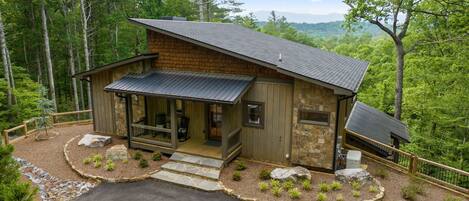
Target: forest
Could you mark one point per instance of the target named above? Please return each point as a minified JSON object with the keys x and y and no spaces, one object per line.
{"x":418,"y":69}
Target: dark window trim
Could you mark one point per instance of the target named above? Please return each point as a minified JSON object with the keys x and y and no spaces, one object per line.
{"x":314,"y":122}
{"x":246,"y":118}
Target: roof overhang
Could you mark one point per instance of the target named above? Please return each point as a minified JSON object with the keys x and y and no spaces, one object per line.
{"x":116,"y":64}
{"x":205,"y":87}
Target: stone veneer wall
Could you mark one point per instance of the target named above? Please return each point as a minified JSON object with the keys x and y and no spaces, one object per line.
{"x":313,"y":145}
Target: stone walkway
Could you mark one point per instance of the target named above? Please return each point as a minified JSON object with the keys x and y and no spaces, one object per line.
{"x":192,"y":171}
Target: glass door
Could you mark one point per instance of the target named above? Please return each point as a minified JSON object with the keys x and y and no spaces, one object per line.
{"x":214,"y":121}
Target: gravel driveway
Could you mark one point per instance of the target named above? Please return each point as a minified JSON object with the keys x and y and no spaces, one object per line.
{"x":150,"y":190}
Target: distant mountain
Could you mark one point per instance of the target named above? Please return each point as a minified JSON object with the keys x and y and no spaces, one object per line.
{"x":300,"y":17}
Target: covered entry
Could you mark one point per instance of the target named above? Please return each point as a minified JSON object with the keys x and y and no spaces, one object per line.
{"x":190,"y":112}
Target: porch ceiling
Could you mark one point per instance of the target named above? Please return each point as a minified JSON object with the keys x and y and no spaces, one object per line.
{"x":207,"y":87}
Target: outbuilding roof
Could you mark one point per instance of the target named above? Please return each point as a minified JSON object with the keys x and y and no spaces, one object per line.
{"x":208,"y":87}
{"x":311,"y":64}
{"x":375,"y":124}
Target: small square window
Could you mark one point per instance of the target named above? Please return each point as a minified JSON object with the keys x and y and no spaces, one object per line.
{"x":313,"y":117}
{"x":253,"y":114}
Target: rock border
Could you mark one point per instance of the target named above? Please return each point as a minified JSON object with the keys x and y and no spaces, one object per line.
{"x":380,"y":195}
{"x":101,"y":178}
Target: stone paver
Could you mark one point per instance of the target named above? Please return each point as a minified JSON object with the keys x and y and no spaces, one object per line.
{"x":194,"y":182}
{"x":198,"y":160}
{"x":185,"y":168}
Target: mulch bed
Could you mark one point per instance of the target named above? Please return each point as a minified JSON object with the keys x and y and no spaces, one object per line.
{"x":248,"y":186}
{"x":77,"y":153}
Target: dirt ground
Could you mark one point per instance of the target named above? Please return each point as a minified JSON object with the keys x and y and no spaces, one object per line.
{"x":248,"y":186}
{"x":396,"y":180}
{"x":131,"y":169}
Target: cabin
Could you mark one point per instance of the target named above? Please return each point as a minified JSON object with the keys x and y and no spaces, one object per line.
{"x":220,"y":90}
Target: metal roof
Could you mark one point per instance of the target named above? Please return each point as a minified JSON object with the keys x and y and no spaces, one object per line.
{"x":374,"y":124}
{"x":116,"y":64}
{"x":311,"y":64}
{"x":206,"y":87}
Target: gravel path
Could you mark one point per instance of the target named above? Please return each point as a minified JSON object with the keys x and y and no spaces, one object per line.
{"x":48,"y":154}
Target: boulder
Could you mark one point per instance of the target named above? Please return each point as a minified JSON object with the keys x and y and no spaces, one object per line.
{"x":353,"y":174}
{"x":117,"y":152}
{"x":290,"y":173}
{"x":90,"y":140}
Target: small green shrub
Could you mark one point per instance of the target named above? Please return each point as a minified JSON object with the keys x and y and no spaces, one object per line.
{"x":277,"y":191}
{"x":294,"y":193}
{"x":335,"y":186}
{"x":240,"y":165}
{"x":339,"y":197}
{"x":356,"y":185}
{"x":274,"y":183}
{"x":156,"y":156}
{"x":143,"y":163}
{"x":110,"y":165}
{"x":289,"y":184}
{"x":373,"y":189}
{"x":356,"y":194}
{"x":97,"y":164}
{"x":451,"y":198}
{"x":408,"y":193}
{"x":321,"y":197}
{"x":263,"y":186}
{"x":87,"y":160}
{"x":382,"y":173}
{"x":97,"y":157}
{"x":306,"y":185}
{"x":236,"y":176}
{"x":264,"y":174}
{"x":324,"y":187}
{"x":137,"y":155}
{"x":125,"y":161}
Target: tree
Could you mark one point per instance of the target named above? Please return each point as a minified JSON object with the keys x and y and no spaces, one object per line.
{"x":45,"y":106}
{"x":6,"y":64}
{"x":48,"y":55}
{"x":248,"y":21}
{"x":85,"y":18}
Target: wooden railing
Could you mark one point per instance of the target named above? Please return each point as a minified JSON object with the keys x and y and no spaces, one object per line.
{"x":409,"y":163}
{"x":151,"y":135}
{"x":232,"y":142}
{"x":31,"y":125}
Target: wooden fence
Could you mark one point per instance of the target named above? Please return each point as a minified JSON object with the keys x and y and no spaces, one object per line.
{"x":31,"y":125}
{"x":409,"y":163}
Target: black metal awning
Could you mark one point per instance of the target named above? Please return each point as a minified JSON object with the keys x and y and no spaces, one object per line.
{"x":207,"y":87}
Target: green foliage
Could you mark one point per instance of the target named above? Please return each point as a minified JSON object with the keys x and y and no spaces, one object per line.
{"x":356,"y":193}
{"x":335,"y":186}
{"x":373,"y":189}
{"x":17,"y":191}
{"x":451,"y":198}
{"x":339,"y":197}
{"x":276,"y":191}
{"x":97,"y":158}
{"x":356,"y":185}
{"x":264,"y":174}
{"x":143,"y":163}
{"x":289,"y":184}
{"x":382,"y":173}
{"x":321,"y":197}
{"x":9,"y":173}
{"x":97,"y":164}
{"x":156,"y":156}
{"x":306,"y":184}
{"x":87,"y":160}
{"x":294,"y":193}
{"x":137,"y":155}
{"x":324,"y":187}
{"x":125,"y":161}
{"x":110,"y":165}
{"x":236,"y":176}
{"x":240,"y":165}
{"x":274,"y":183}
{"x":409,"y":193}
{"x":46,"y":107}
{"x":263,"y":186}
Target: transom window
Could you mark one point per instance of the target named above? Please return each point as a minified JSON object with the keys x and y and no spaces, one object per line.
{"x":313,"y":117}
{"x":253,"y":114}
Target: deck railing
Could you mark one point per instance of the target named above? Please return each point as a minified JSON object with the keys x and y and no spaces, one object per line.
{"x":56,"y":119}
{"x":233,"y":141}
{"x":409,"y":163}
{"x":151,"y":134}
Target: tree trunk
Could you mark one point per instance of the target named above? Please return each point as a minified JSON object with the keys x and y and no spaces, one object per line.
{"x":71,"y":62}
{"x":48,"y":56}
{"x":201,"y":10}
{"x":399,"y":79}
{"x":85,"y":47}
{"x":5,"y":63}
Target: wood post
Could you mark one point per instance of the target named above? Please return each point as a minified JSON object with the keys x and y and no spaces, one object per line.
{"x":129,"y":117}
{"x":174,"y":137}
{"x":25,"y":128}
{"x":5,"y":138}
{"x":413,"y":164}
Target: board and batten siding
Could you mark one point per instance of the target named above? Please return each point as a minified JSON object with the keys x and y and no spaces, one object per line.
{"x":271,"y":143}
{"x":103,"y":103}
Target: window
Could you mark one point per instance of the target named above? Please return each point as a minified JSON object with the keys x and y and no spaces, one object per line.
{"x":253,"y":114}
{"x":313,"y":117}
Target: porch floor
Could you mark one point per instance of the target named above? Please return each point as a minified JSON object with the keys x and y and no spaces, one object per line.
{"x":199,"y":147}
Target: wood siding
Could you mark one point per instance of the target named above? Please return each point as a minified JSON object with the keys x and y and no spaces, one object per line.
{"x":272,"y":143}
{"x":103,"y":103}
{"x":197,"y":114}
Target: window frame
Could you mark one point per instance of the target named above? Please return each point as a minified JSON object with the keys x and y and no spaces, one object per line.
{"x":310,"y":122}
{"x":246,"y":122}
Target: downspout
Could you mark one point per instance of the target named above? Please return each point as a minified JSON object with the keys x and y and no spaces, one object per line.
{"x":339,"y":99}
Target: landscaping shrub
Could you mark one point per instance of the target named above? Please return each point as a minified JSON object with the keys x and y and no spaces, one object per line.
{"x":289,"y":184}
{"x":137,"y":155}
{"x":110,"y":165}
{"x":408,"y":193}
{"x":335,"y":185}
{"x":294,"y":193}
{"x":143,"y":163}
{"x":382,"y":173}
{"x":264,"y":174}
{"x":274,"y":183}
{"x":97,"y":158}
{"x":373,"y":189}
{"x":277,"y":191}
{"x":125,"y":161}
{"x":451,"y":198}
{"x":339,"y":197}
{"x":356,"y":194}
{"x":263,"y":186}
{"x":321,"y":197}
{"x":236,"y":176}
{"x":306,"y":185}
{"x":87,"y":160}
{"x":240,"y":165}
{"x":356,"y":185}
{"x":97,"y":164}
{"x":156,"y":156}
{"x":323,"y":187}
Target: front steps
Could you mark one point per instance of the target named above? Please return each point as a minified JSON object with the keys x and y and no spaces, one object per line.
{"x":192,"y":171}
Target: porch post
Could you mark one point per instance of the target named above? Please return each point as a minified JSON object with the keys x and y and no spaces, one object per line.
{"x":174,"y":139}
{"x":129,"y":117}
{"x":224,"y":131}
